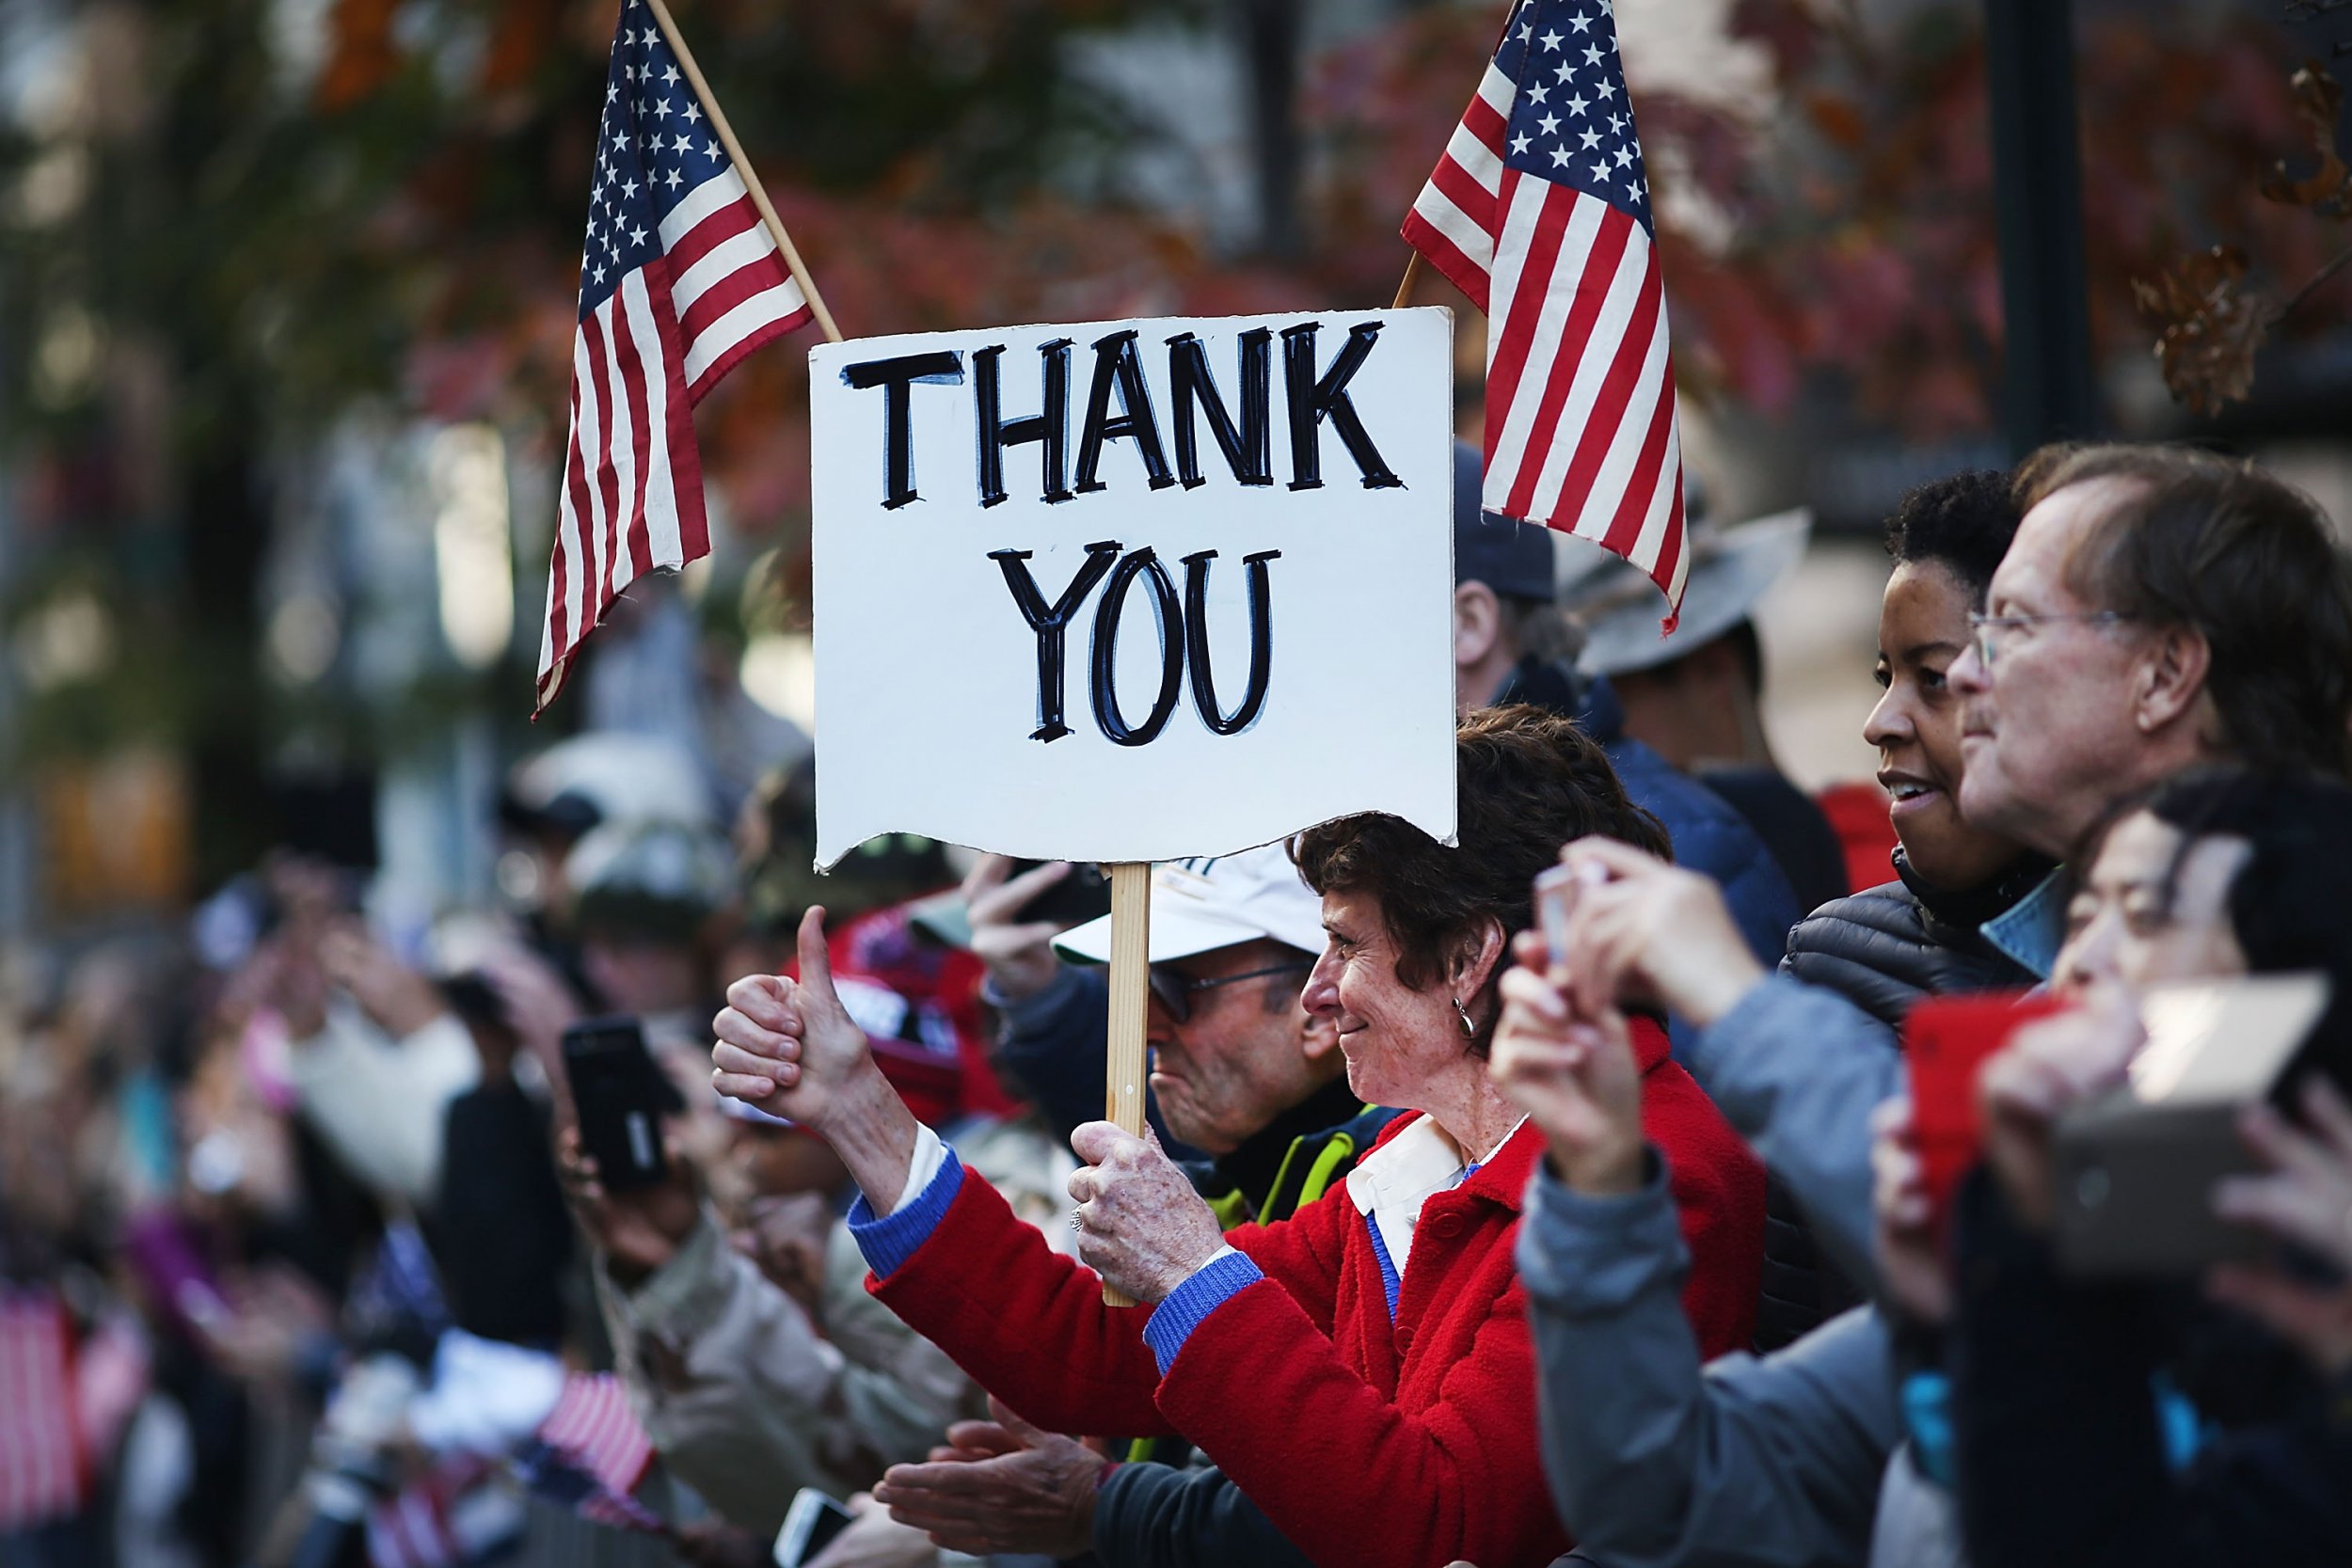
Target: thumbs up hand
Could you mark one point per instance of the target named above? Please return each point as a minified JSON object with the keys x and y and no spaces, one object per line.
{"x":790,"y":1049}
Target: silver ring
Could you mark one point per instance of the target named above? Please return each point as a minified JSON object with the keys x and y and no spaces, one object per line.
{"x":1076,"y":1223}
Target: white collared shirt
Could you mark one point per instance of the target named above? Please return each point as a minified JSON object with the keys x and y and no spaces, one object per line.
{"x":1391,"y":1183}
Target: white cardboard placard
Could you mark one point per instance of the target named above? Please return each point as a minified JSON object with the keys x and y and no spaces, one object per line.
{"x":1312,"y":453}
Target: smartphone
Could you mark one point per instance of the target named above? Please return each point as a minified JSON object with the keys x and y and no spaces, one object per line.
{"x":2134,"y":1170}
{"x":1556,"y":893}
{"x":620,"y":1095}
{"x":1082,"y":896}
{"x":1947,"y":1040}
{"x":809,"y":1526}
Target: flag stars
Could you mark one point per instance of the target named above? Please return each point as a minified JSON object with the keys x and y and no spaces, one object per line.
{"x":1601,"y":171}
{"x":1565,"y":72}
{"x":1624,"y":156}
{"x":1559,"y":157}
{"x":662,"y":110}
{"x":1551,"y":39}
{"x":1519,"y":143}
{"x":629,"y":188}
{"x":1592,"y":139}
{"x":1581,"y":23}
{"x":1592,"y":54}
{"x":669,"y":76}
{"x":1577,"y":105}
{"x":1537,"y":93}
{"x":1527,"y":31}
{"x":710,"y":150}
{"x":681,"y":145}
{"x":636,"y":235}
{"x":674,"y":179}
{"x":1548,"y":124}
{"x":694,"y":113}
{"x":1607,"y":90}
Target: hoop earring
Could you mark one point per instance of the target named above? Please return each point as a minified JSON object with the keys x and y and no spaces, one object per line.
{"x":1469,"y":1030}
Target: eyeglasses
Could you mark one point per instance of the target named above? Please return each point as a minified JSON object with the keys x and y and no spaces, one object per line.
{"x":1983,"y":627}
{"x":1175,"y":990}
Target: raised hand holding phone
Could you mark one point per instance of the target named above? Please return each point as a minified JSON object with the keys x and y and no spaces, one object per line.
{"x":1644,"y":931}
{"x":1574,"y":1073}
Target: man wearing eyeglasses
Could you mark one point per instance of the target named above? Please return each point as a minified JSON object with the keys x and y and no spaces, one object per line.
{"x":2160,"y":608}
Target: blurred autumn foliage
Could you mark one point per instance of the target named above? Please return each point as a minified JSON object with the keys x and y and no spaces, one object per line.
{"x":401,"y":218}
{"x":2211,"y":321}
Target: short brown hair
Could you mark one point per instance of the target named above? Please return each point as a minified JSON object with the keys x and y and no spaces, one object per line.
{"x":2246,"y":561}
{"x":1528,"y":781}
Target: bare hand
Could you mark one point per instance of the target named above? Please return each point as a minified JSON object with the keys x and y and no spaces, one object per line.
{"x":637,"y":1232}
{"x":2050,"y":1066}
{"x":1019,"y":952}
{"x":1141,"y":1224}
{"x":1576,"y":1078}
{"x":1910,"y":1265}
{"x":2306,"y":1200}
{"x":791,"y":1047}
{"x":1000,"y":1486}
{"x":1653,"y":932}
{"x":539,"y":1004}
{"x":400,"y":999}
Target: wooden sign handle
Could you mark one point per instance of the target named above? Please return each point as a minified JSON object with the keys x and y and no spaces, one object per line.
{"x":1130,"y":1000}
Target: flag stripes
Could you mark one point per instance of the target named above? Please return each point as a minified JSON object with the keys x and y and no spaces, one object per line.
{"x":43,"y":1471}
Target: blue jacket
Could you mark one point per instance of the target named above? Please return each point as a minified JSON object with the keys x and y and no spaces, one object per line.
{"x":1708,"y":836}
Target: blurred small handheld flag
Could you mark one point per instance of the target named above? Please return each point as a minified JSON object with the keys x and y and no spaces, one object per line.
{"x":590,"y":1454}
{"x":680,"y":278}
{"x":44,"y":1472}
{"x":1540,"y":212}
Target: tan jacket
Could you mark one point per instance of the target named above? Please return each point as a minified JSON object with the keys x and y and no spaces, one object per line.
{"x":748,"y":1400}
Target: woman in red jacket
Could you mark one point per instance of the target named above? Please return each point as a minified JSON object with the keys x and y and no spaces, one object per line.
{"x":1362,"y":1370}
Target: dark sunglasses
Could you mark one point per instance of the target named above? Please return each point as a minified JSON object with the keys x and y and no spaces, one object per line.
{"x":1174,"y":989}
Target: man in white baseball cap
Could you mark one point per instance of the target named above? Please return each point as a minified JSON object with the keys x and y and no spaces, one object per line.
{"x":1239,"y":1069}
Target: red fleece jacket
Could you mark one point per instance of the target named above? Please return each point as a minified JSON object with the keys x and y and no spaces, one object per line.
{"x":1369,"y":1444}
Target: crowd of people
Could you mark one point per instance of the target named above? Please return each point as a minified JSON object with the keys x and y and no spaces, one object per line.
{"x":1569,"y":1193}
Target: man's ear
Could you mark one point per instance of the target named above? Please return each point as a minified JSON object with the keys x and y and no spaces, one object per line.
{"x":2171,"y":677}
{"x":1477,"y":622}
{"x":1318,"y":1035}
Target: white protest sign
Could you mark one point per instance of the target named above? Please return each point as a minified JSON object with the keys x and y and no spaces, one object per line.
{"x":1135,"y":591}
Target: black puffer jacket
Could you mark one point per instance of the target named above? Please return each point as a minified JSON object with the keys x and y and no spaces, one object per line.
{"x":1882,"y":949}
{"x":1885,"y":948}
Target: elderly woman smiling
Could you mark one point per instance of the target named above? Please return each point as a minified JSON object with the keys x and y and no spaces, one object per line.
{"x":1361,"y":1370}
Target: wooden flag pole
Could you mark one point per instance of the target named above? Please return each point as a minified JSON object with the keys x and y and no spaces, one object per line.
{"x":1131,"y":998}
{"x":744,"y":171}
{"x":1405,"y":285}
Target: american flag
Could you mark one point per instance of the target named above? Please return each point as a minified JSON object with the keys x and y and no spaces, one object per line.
{"x":679,"y":280}
{"x":1540,"y":212}
{"x":593,"y":1427}
{"x":44,"y":1471}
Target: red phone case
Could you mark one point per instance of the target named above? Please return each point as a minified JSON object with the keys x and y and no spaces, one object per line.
{"x":1945,"y":1041}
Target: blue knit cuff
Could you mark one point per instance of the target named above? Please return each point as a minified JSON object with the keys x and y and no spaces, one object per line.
{"x":1212,"y":1284}
{"x":890,"y":1240}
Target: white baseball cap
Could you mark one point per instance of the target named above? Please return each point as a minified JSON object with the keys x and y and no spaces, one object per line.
{"x":1199,"y":905}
